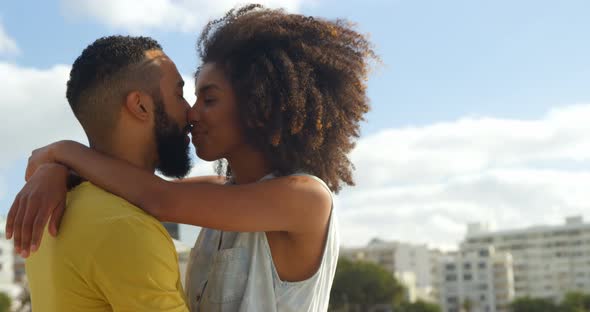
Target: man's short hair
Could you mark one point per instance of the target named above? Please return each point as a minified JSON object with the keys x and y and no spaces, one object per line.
{"x":103,"y":75}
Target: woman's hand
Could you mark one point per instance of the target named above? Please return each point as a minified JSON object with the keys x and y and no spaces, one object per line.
{"x":42,"y":197}
{"x":45,"y":155}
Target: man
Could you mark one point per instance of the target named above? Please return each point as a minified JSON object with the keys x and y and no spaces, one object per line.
{"x":110,"y":255}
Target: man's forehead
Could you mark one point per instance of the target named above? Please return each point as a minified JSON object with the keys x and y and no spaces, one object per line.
{"x":160,"y":59}
{"x":156,"y":58}
{"x":154,"y":54}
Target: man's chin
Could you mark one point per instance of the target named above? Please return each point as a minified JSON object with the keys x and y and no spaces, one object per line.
{"x":173,"y":175}
{"x":174,"y":170}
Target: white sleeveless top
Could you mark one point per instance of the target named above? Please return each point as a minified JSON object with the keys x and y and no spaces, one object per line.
{"x":234,"y":271}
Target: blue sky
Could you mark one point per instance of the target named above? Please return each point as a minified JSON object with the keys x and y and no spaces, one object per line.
{"x":477,"y":112}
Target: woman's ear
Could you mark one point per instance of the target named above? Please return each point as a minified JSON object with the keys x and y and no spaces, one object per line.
{"x":139,"y":105}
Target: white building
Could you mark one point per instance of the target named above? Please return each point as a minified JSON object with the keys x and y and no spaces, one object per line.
{"x":549,"y":261}
{"x":7,"y":267}
{"x":408,"y":279}
{"x":415,"y":266}
{"x":7,"y":258}
{"x":481,"y":279}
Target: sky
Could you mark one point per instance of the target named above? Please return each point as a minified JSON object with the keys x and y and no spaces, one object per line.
{"x":479,"y":113}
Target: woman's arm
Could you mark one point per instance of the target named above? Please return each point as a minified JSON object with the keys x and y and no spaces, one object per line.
{"x":41,"y":198}
{"x":210,"y":179}
{"x":291,"y":204}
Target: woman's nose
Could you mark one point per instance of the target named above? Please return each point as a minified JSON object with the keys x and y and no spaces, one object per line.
{"x":193,"y":113}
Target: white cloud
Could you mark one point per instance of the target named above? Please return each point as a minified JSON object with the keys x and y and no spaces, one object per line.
{"x":141,"y":15}
{"x":7,"y":44}
{"x":3,"y":186}
{"x":473,"y":144}
{"x":424,"y":184}
{"x":34,"y":110}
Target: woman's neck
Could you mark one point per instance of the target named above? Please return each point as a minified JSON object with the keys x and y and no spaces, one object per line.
{"x":248,"y":166}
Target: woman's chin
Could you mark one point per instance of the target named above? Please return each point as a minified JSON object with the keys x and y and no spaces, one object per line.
{"x":204,"y":156}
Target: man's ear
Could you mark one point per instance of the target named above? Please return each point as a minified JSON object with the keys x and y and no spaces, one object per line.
{"x":139,"y":105}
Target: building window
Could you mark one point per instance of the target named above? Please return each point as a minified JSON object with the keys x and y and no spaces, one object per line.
{"x":467,"y":265}
{"x":482,"y":265}
{"x":452,"y":300}
{"x":450,"y":267}
{"x":467,"y":277}
{"x":451,"y":277}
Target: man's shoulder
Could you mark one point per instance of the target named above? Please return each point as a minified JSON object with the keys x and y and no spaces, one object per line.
{"x":89,"y":194}
{"x":90,"y":208}
{"x":91,"y":199}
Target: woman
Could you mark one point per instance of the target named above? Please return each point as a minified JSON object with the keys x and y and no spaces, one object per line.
{"x":280,"y":97}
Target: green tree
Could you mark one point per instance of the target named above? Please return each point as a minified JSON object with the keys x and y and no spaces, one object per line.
{"x":527,"y":304}
{"x":575,"y":302}
{"x":5,"y":302}
{"x":364,"y":284}
{"x":467,"y":305}
{"x":418,"y":306}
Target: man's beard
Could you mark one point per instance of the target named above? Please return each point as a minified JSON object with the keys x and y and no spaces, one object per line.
{"x":173,"y":152}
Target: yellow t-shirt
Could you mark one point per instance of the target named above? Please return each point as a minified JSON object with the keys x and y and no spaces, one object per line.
{"x":109,"y":256}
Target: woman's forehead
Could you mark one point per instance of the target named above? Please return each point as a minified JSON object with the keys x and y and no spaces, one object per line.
{"x":209,"y":74}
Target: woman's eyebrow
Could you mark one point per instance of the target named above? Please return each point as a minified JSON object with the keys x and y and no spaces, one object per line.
{"x":208,"y":87}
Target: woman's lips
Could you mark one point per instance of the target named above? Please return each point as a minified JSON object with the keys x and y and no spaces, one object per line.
{"x":198,"y":136}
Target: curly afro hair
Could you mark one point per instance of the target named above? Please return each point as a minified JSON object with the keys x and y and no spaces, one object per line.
{"x":301,"y":86}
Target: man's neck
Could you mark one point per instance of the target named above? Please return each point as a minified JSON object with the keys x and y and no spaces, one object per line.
{"x":135,"y":154}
